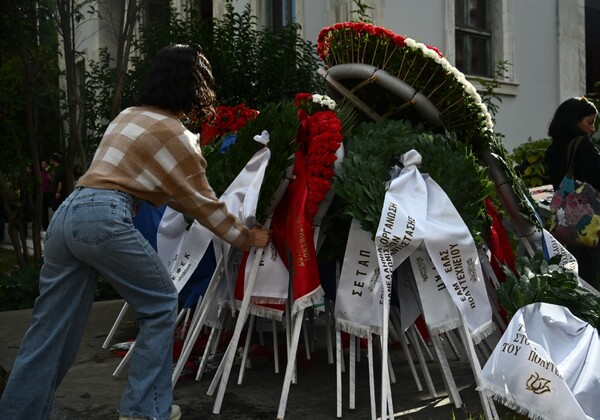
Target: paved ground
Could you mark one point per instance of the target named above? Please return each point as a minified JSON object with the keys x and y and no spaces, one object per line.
{"x":90,"y":391}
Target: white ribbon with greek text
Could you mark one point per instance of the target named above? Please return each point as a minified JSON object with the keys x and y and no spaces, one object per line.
{"x":439,"y":310}
{"x":453,"y":252}
{"x":546,"y":365}
{"x":358,"y":294}
{"x":403,"y":218}
{"x":567,"y":260}
{"x":270,"y":286}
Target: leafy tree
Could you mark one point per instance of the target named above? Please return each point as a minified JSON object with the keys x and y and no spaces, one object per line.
{"x":28,"y":75}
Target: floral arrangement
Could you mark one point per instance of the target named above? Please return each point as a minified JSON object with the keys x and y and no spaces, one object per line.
{"x":227,"y":119}
{"x":281,"y":121}
{"x":311,"y":103}
{"x":320,"y":134}
{"x":376,"y":146}
{"x":421,"y":66}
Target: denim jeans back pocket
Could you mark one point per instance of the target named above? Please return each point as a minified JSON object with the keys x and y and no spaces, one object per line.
{"x":96,"y":221}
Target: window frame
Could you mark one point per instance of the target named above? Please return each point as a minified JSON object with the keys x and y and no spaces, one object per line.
{"x":502,"y":46}
{"x":470,"y":33}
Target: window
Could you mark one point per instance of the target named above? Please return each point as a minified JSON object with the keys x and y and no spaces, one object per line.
{"x":156,"y":12}
{"x":473,"y":38}
{"x":204,"y":8}
{"x":479,"y":35}
{"x":280,"y":13}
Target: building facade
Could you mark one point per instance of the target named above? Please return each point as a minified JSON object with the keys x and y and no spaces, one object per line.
{"x":547,"y":46}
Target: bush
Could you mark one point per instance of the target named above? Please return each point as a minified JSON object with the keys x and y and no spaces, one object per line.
{"x":19,"y":289}
{"x":531,"y":166}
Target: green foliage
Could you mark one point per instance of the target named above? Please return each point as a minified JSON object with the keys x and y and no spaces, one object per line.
{"x":34,"y":42}
{"x":488,"y":94}
{"x":251,"y":64}
{"x":538,"y":280}
{"x":531,"y":166}
{"x":259,"y":66}
{"x":98,"y":95}
{"x":373,"y":150}
{"x":20,"y":288}
{"x":362,"y":13}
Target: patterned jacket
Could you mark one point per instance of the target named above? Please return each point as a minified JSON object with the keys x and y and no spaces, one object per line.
{"x":148,"y":153}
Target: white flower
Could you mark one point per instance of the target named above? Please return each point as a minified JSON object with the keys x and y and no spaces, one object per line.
{"x":324,"y":101}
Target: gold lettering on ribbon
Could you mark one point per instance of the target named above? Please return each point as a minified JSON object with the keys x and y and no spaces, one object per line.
{"x":537,"y":384}
{"x":302,"y":252}
{"x":546,"y":364}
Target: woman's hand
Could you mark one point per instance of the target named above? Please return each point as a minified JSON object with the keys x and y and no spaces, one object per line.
{"x":262,"y":237}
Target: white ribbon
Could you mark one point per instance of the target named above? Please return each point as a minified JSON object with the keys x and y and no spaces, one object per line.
{"x":358,"y":291}
{"x":169,"y":236}
{"x":547,"y":365}
{"x":241,"y":198}
{"x":193,"y":247}
{"x":439,"y":310}
{"x":403,"y":217}
{"x":407,"y":296}
{"x":567,"y":260}
{"x":454,"y":255}
{"x":271,"y":284}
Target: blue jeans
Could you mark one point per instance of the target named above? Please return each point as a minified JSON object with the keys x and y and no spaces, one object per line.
{"x":92,"y":234}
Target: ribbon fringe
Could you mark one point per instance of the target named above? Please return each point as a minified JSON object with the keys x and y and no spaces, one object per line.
{"x":483,"y":331}
{"x":352,"y":328}
{"x":444,"y":327}
{"x":268,"y":300}
{"x":495,"y":393}
{"x":262,"y":311}
{"x":308,"y":300}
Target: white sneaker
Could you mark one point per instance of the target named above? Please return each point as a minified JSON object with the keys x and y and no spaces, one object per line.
{"x":175,"y":414}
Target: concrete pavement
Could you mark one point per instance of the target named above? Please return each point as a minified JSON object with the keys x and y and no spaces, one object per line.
{"x":90,"y":391}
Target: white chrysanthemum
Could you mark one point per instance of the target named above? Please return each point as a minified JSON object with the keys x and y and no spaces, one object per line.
{"x":410,"y":42}
{"x":429,"y":53}
{"x":447,"y":66}
{"x":324,"y":101}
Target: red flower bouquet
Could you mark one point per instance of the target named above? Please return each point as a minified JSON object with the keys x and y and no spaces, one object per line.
{"x":320,"y":136}
{"x":226,"y":120}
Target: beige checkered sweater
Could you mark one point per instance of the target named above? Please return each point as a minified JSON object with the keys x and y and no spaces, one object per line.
{"x":148,"y":153}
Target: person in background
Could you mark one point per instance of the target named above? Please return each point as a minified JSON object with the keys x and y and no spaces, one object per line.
{"x":45,"y":194}
{"x":573,"y":118}
{"x":145,"y":154}
{"x":58,"y":182}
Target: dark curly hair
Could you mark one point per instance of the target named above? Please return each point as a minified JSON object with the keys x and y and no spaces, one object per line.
{"x":563,"y":126}
{"x":180,"y":79}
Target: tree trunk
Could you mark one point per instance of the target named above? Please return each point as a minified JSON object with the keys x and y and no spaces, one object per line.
{"x":127,"y":22}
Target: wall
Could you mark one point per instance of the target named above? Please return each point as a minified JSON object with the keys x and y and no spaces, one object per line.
{"x":536,"y":72}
